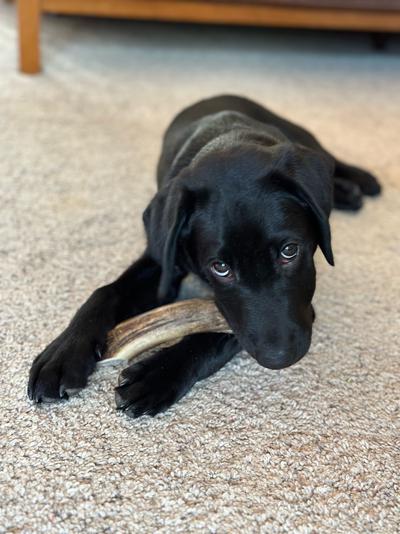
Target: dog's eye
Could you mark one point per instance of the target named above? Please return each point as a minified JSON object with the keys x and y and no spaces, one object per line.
{"x":290,"y":251}
{"x":221,"y":269}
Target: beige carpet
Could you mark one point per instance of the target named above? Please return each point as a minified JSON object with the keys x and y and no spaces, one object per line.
{"x":310,"y":449}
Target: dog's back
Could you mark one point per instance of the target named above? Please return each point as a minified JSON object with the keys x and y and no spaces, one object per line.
{"x":198,"y":124}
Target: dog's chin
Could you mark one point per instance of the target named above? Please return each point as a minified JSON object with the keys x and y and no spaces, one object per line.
{"x":277,"y":360}
{"x":282,"y":357}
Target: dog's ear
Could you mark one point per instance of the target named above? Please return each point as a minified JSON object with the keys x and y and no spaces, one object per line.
{"x":166,"y":221}
{"x":310,"y":178}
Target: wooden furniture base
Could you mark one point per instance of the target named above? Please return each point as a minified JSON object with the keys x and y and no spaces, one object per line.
{"x":236,"y":13}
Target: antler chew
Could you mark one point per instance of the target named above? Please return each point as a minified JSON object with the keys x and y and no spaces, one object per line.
{"x":162,"y":325}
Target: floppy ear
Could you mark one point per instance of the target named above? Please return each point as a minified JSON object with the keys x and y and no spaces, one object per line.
{"x":310,"y":179}
{"x":324,"y":230}
{"x":165,"y":220}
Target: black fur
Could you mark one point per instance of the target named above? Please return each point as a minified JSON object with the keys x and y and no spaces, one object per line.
{"x":236,"y":183}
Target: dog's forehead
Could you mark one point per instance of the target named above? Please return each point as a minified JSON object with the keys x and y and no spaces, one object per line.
{"x":255,"y":222}
{"x":245,"y":226}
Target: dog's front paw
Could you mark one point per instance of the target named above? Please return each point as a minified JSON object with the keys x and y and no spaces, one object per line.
{"x":151,"y":386}
{"x":62,"y":369}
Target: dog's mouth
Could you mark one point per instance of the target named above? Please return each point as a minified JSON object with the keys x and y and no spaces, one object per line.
{"x":279,"y":355}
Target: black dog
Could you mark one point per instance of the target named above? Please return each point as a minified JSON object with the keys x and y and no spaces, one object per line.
{"x":243,"y":201}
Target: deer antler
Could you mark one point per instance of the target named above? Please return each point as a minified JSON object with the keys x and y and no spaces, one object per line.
{"x":162,"y":325}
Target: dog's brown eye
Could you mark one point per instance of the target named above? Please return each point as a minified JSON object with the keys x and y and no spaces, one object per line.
{"x":221,"y":269}
{"x":290,"y":251}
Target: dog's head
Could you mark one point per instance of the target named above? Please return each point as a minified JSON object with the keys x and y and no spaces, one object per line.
{"x":248,"y":219}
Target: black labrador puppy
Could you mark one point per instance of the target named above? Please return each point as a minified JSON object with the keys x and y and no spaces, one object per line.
{"x":243,"y":201}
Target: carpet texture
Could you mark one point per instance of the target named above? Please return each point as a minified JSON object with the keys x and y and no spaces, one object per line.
{"x":310,"y":449}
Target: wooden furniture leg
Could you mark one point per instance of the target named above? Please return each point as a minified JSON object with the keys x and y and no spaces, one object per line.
{"x":28,"y":31}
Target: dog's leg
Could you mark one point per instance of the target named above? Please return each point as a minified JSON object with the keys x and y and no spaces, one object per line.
{"x":64,"y":366}
{"x":366,"y":182}
{"x":346,"y":195}
{"x":153,"y":385}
